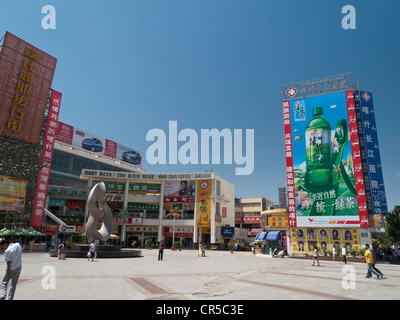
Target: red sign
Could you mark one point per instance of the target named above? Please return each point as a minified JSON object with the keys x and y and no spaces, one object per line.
{"x":178,"y":199}
{"x":26,"y":75}
{"x":251,"y":220}
{"x":47,"y":155}
{"x":289,"y":164}
{"x":357,"y":165}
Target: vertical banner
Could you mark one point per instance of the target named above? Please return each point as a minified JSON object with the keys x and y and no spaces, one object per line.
{"x":357,"y":165}
{"x":289,"y":164}
{"x":203,"y":205}
{"x":372,"y":167}
{"x":47,"y":155}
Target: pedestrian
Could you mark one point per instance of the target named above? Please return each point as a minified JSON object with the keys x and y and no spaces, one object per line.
{"x":203,"y":249}
{"x":200,"y":251}
{"x":373,"y":264}
{"x":344,"y":254}
{"x":92,"y":250}
{"x":333,"y":253}
{"x":160,"y":250}
{"x":315,"y":257}
{"x":370,"y":260}
{"x":13,"y":258}
{"x":60,"y":251}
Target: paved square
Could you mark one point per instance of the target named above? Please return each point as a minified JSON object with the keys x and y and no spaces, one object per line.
{"x":182,"y":275}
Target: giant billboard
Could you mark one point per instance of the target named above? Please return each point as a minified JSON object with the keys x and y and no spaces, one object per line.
{"x":323,"y":166}
{"x":85,"y":140}
{"x":26,"y":75}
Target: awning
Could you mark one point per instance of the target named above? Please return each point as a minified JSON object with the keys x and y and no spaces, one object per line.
{"x":273,"y":236}
{"x":261,"y":235}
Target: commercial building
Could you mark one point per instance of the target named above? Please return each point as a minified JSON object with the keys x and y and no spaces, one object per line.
{"x":248,"y":213}
{"x":190,"y":208}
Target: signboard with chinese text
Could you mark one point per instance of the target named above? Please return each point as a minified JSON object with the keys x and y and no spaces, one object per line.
{"x":317,"y":87}
{"x":47,"y":155}
{"x":370,"y":155}
{"x":26,"y":75}
{"x":203,"y":203}
{"x":323,"y":167}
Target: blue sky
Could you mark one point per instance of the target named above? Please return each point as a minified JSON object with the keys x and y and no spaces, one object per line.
{"x":126,"y":67}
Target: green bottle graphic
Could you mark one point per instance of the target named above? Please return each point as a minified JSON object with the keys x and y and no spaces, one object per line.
{"x":318,"y":151}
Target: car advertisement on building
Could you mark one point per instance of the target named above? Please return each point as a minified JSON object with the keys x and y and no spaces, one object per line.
{"x":324,"y":175}
{"x":85,"y":140}
{"x":305,"y":239}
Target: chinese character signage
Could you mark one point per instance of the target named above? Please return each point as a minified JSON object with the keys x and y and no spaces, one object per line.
{"x":370,"y":155}
{"x":203,"y":203}
{"x":47,"y":155}
{"x":26,"y":75}
{"x":316,"y":87}
{"x":12,"y":193}
{"x":324,"y":176}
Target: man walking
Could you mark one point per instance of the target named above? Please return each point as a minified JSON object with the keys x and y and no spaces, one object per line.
{"x":160,"y":250}
{"x":370,"y":260}
{"x":344,"y":254}
{"x":13,"y":258}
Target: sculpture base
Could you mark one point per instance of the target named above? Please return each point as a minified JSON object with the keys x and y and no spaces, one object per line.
{"x":80,"y":251}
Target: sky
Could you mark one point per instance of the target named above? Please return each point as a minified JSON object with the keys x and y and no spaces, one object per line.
{"x":129,"y":66}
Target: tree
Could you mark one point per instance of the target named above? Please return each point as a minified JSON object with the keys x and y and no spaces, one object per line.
{"x":393,"y":224}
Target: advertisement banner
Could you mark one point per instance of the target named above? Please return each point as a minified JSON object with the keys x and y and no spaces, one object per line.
{"x":180,"y":188}
{"x":203,"y":203}
{"x":26,"y":75}
{"x":12,"y":193}
{"x":370,"y":155}
{"x":85,"y":140}
{"x":323,"y":166}
{"x":134,"y":187}
{"x":305,"y":239}
{"x":47,"y":155}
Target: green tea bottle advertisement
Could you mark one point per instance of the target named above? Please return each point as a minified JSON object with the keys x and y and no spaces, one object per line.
{"x":322,"y":160}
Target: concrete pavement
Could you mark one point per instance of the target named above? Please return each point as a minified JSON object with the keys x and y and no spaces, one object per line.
{"x":182,"y":275}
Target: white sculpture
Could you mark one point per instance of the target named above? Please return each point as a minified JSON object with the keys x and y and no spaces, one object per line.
{"x":98,"y":209}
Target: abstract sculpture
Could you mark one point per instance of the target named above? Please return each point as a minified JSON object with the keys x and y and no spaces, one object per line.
{"x":98,"y":209}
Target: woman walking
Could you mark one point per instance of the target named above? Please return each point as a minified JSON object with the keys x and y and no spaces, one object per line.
{"x":315,"y":257}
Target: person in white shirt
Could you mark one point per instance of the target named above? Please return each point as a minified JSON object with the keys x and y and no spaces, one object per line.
{"x":344,"y":254}
{"x":13,"y":258}
{"x":92,"y":250}
{"x":333,"y":253}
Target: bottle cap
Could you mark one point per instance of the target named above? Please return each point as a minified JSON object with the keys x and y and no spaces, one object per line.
{"x":318,"y":111}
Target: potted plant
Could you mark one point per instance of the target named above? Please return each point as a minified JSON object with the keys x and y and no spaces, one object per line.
{"x":149,"y":244}
{"x":231,"y":246}
{"x":177,"y":245}
{"x":353,"y":252}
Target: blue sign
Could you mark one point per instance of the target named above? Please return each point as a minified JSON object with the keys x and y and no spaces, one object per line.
{"x":227,"y":231}
{"x":370,"y":155}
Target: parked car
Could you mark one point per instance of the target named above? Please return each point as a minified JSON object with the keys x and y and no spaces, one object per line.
{"x":132,"y":157}
{"x":92,"y":144}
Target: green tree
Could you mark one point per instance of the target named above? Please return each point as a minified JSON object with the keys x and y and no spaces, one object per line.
{"x":393,"y":224}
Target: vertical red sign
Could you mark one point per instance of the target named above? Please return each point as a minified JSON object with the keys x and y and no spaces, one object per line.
{"x":287,"y":128}
{"x":355,"y":149}
{"x":47,"y":155}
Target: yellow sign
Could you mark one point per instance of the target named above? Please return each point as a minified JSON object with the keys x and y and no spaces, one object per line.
{"x":278,"y":221}
{"x":305,"y":239}
{"x":12,"y":193}
{"x":203,"y":203}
